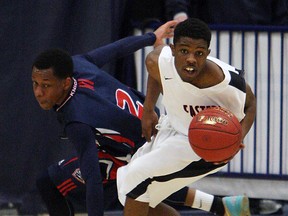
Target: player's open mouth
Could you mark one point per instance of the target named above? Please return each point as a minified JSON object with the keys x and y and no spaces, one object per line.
{"x":190,"y":69}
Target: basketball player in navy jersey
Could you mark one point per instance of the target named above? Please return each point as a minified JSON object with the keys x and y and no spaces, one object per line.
{"x":100,"y":115}
{"x":187,"y":78}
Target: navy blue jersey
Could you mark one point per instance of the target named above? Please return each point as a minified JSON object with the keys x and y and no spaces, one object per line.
{"x":101,"y":111}
{"x":102,"y":102}
{"x":106,"y":105}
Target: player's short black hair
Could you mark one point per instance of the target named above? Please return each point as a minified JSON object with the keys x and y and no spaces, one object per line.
{"x":192,"y":28}
{"x":59,"y":60}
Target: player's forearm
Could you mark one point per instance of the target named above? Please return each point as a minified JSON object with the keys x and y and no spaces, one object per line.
{"x":247,"y":122}
{"x":152,"y":95}
{"x":120,"y":48}
{"x":83,"y":138}
{"x":250,"y":112}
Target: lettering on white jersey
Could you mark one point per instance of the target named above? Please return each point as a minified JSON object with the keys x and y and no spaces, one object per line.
{"x":194,"y":110}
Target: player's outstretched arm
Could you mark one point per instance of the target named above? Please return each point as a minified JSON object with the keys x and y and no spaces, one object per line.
{"x":129,"y":45}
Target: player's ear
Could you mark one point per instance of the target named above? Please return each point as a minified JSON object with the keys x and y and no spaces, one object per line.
{"x":67,"y":83}
{"x":209,"y":50}
{"x":172,"y":49}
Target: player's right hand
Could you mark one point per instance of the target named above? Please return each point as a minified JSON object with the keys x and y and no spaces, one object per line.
{"x":149,"y":121}
{"x":165,"y":31}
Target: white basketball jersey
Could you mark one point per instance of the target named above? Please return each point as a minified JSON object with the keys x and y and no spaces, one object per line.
{"x":182,"y":100}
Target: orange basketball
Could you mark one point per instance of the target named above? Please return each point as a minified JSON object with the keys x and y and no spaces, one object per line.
{"x":215,"y":134}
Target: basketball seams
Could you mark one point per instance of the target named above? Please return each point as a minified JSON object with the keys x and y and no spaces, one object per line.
{"x":215,"y":129}
{"x":215,"y":134}
{"x":237,"y":136}
{"x":216,"y":149}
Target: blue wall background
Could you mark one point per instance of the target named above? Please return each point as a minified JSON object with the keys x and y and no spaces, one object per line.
{"x":29,"y":136}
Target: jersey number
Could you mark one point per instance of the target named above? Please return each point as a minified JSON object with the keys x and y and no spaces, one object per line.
{"x":123,"y":98}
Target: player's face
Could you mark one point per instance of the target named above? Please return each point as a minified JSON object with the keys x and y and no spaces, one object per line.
{"x":190,"y":58}
{"x":48,"y":89}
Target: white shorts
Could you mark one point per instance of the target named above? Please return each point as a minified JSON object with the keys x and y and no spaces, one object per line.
{"x":161,"y":167}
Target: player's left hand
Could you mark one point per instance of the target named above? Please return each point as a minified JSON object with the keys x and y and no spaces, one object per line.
{"x":241,"y":146}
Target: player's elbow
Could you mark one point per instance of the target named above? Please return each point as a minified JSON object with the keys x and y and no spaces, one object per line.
{"x":150,"y":61}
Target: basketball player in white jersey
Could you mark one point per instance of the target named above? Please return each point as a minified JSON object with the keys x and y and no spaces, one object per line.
{"x":190,"y":81}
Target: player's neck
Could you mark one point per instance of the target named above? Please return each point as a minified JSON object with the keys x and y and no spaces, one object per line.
{"x":66,"y":93}
{"x":212,"y":75}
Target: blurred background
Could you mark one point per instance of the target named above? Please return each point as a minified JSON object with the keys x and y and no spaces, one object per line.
{"x":248,"y":34}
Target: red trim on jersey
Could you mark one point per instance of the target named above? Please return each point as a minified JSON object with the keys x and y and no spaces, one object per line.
{"x":64,"y":183}
{"x":116,"y":164}
{"x":70,"y":161}
{"x":68,"y":189}
{"x":66,"y":186}
{"x":120,"y":139}
{"x":84,"y":83}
